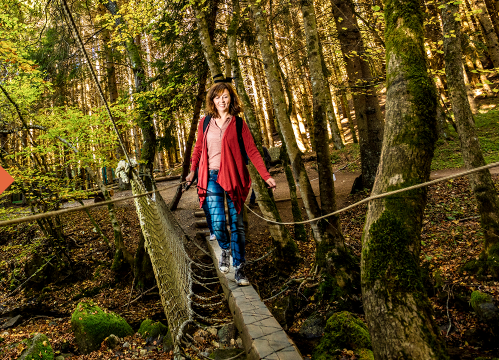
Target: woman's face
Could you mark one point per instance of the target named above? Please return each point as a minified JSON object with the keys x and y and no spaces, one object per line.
{"x":222,"y":102}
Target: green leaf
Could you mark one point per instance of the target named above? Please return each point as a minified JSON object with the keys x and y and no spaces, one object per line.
{"x":376,"y":8}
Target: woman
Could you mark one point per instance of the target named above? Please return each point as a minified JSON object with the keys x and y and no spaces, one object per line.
{"x":222,"y":171}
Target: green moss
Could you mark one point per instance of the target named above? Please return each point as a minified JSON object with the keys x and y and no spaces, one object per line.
{"x":448,"y":153}
{"x":366,"y":354}
{"x":38,"y":349}
{"x":343,"y":331}
{"x":477,"y":298}
{"x":91,"y":325}
{"x":149,"y":328}
{"x":389,"y":258}
{"x":487,"y":264}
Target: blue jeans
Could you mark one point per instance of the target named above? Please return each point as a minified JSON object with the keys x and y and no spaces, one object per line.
{"x":208,"y":217}
{"x":216,"y":208}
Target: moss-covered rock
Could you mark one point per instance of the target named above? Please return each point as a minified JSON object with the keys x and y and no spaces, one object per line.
{"x":487,"y":311}
{"x":343,"y":331}
{"x":366,"y":354}
{"x":91,"y":325}
{"x":38,"y":348}
{"x":149,"y":328}
{"x":168,"y":342}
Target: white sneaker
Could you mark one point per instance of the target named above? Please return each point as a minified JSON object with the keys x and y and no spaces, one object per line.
{"x":213,"y":237}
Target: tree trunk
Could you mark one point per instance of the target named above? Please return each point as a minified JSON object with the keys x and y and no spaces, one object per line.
{"x":481,"y":182}
{"x":366,"y":104}
{"x":489,"y":32}
{"x":331,"y":253}
{"x":206,"y":43}
{"x":346,"y":111}
{"x":145,"y":122}
{"x":186,"y":163}
{"x":287,"y":250}
{"x":327,"y":194}
{"x":299,"y":229}
{"x":397,"y":309}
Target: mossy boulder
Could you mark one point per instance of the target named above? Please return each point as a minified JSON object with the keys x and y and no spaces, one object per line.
{"x":151,"y":329}
{"x":486,"y":310}
{"x":91,"y":325}
{"x":343,"y":331}
{"x":365,"y":354}
{"x":38,"y":348}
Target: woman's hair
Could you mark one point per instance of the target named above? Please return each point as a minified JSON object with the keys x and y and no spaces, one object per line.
{"x":217,"y":89}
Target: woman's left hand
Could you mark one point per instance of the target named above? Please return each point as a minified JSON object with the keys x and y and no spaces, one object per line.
{"x":271,"y":183}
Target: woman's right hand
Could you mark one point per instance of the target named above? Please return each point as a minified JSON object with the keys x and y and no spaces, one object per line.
{"x":188,"y":181}
{"x":189,"y":177}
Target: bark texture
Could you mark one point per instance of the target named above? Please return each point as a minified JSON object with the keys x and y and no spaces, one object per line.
{"x":366,"y":104}
{"x":397,"y":309}
{"x":481,"y":182}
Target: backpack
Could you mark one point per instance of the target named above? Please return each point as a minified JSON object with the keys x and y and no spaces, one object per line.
{"x":239,"y":130}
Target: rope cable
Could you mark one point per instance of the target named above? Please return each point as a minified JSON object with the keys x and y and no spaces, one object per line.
{"x":78,"y":208}
{"x":379,"y":196}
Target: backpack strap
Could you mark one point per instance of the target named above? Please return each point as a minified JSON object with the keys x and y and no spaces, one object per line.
{"x":207,"y":119}
{"x":239,"y":130}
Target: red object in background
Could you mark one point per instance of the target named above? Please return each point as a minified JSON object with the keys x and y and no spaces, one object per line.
{"x":5,"y":180}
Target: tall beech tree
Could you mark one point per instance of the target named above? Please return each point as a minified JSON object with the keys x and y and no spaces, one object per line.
{"x":360,"y":80}
{"x":481,"y":182}
{"x":315,"y":60}
{"x":398,"y":312}
{"x":331,"y":253}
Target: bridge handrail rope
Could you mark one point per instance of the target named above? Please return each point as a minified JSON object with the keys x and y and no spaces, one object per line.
{"x":78,"y":208}
{"x":380,"y":196}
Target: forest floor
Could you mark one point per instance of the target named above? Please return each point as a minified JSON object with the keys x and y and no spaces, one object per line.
{"x":451,"y":236}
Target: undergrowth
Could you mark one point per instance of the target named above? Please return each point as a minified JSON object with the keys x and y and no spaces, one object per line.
{"x":448,"y":152}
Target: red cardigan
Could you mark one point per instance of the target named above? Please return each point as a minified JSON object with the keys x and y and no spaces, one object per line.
{"x":233,"y":175}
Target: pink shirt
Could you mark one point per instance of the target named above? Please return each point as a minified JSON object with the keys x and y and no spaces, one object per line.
{"x":214,"y":135}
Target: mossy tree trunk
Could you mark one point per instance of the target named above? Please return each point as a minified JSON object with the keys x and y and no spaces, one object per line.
{"x":300,"y":231}
{"x":331,"y":253}
{"x":365,"y":100}
{"x":397,"y":308}
{"x":286,"y":249}
{"x":481,"y":182}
